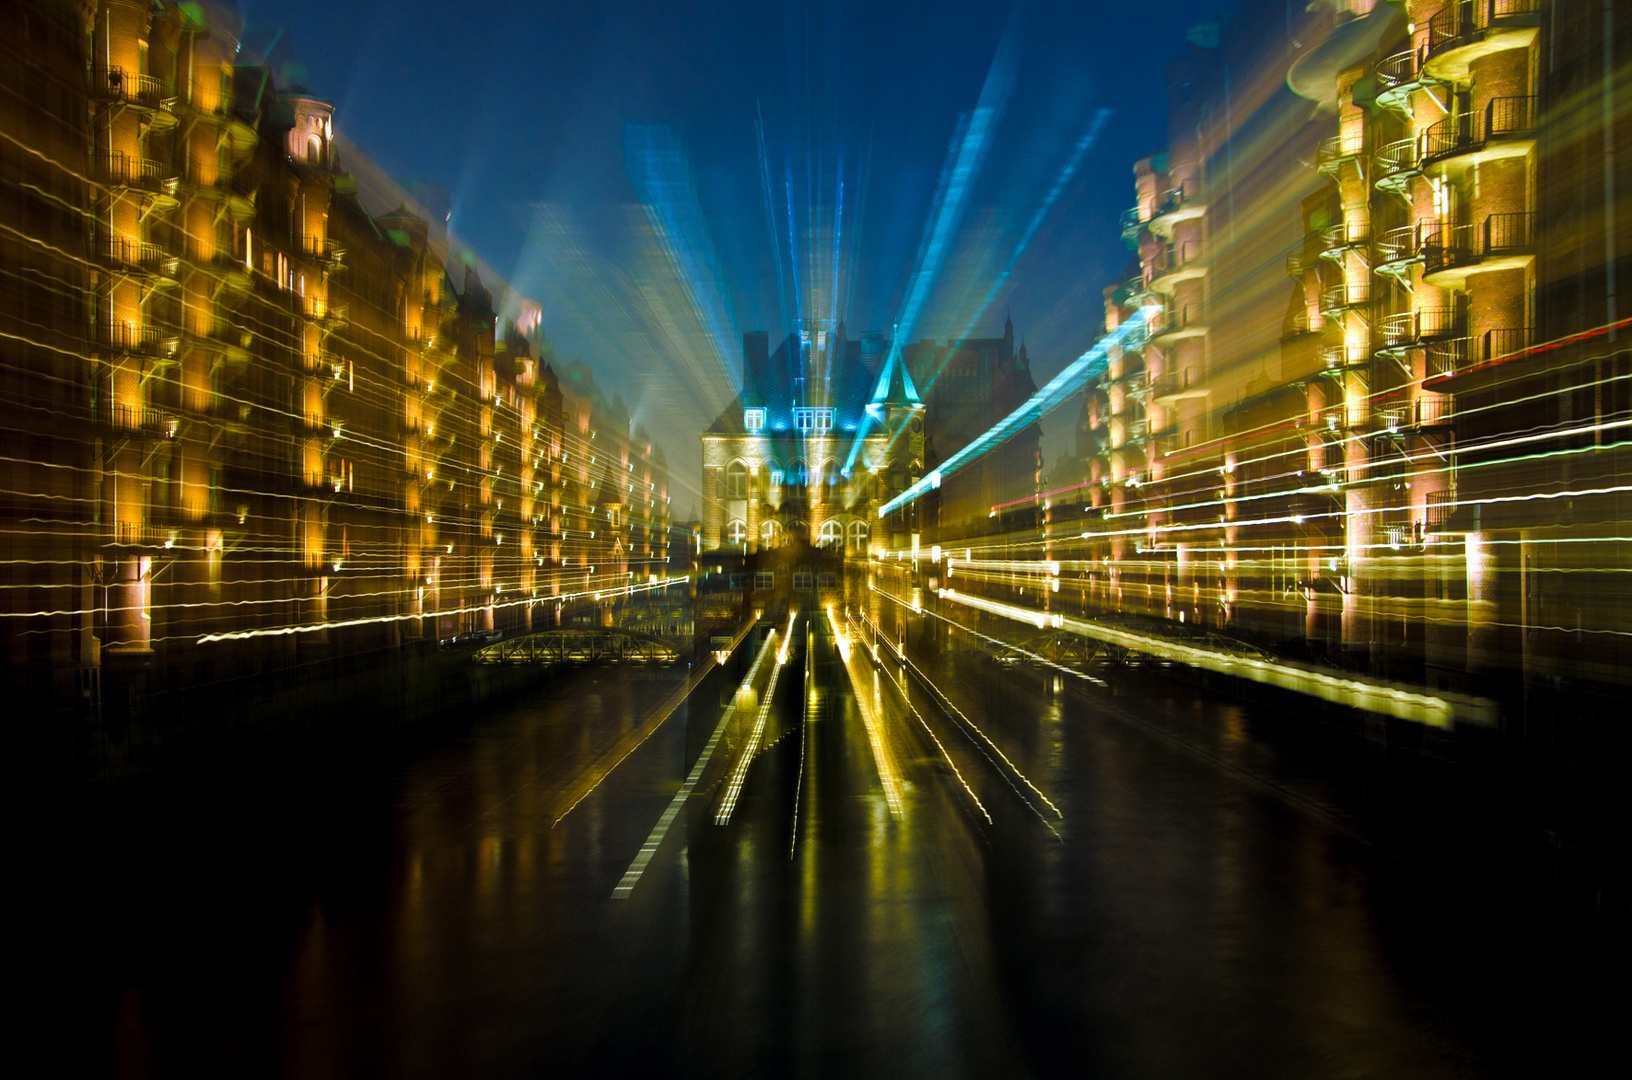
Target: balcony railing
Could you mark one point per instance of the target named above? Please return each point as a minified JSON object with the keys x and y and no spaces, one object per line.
{"x":1346,"y":295}
{"x":1451,"y":356}
{"x":1440,"y":506}
{"x":1502,"y":118}
{"x":1171,"y":322}
{"x":123,"y":337}
{"x":146,"y":418}
{"x":1131,"y":223}
{"x":1448,"y":248}
{"x":1396,"y":162}
{"x":117,"y":84}
{"x":1345,"y":234}
{"x":1344,"y":356}
{"x":118,"y":249}
{"x":1461,"y":22}
{"x":1336,"y":149}
{"x":1425,"y":324}
{"x":319,"y":247}
{"x":120,"y":168}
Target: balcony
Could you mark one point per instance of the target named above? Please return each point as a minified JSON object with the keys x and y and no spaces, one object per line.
{"x":1398,"y":76}
{"x":1409,"y":328}
{"x":1344,"y":237}
{"x":1174,"y":385}
{"x":152,"y":421}
{"x":1450,"y":357}
{"x":1187,"y":322}
{"x":122,"y":170}
{"x":321,"y":248}
{"x":133,"y":254}
{"x":1465,"y":30}
{"x":1344,"y":357}
{"x":1182,"y":267}
{"x":1451,"y":254}
{"x":1395,"y":164}
{"x":126,"y":338}
{"x":1183,"y":203}
{"x":1336,"y":299}
{"x":1506,"y":128}
{"x":1334,"y":151}
{"x":1396,"y":251}
{"x":1131,"y":224}
{"x":116,"y":85}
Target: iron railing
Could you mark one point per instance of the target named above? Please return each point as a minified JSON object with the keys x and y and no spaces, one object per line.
{"x":116,"y":167}
{"x":117,"y":84}
{"x":1461,"y":22}
{"x":1345,"y":295}
{"x":1503,"y":117}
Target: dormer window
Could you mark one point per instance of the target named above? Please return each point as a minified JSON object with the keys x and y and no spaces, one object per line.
{"x":813,"y":419}
{"x":753,"y":419}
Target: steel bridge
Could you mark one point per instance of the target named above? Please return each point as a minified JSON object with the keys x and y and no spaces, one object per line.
{"x":590,"y":645}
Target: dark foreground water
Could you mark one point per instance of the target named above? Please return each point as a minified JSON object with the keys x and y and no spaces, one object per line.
{"x":1009,"y":881}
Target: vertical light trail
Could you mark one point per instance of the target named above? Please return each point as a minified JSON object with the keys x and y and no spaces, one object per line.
{"x":739,"y":775}
{"x":873,"y":723}
{"x":626,"y":884}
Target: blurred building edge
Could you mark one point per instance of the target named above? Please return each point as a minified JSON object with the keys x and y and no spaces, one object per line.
{"x":1380,"y":416}
{"x":247,"y":423}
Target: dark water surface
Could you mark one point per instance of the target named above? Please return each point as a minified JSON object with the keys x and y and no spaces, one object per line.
{"x":1087,"y":885}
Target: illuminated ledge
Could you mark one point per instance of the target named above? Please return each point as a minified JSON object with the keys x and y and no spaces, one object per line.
{"x":1164,"y":281}
{"x":1449,"y":62}
{"x":1439,"y":709}
{"x":1456,"y":275}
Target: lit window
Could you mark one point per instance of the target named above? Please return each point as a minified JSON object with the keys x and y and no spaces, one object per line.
{"x":813,"y":419}
{"x":753,"y":419}
{"x":859,"y":534}
{"x":737,"y":532}
{"x":832,"y":534}
{"x":770,"y":533}
{"x":736,"y":480}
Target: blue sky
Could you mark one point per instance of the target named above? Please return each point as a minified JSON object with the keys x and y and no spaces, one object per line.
{"x":520,"y":117}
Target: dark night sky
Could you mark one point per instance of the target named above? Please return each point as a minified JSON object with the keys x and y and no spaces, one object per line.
{"x":516,"y":114}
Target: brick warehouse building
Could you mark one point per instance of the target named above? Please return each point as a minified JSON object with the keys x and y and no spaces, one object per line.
{"x":1380,"y":413}
{"x":247,"y":421}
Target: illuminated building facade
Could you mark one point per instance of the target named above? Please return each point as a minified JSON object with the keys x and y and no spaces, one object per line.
{"x":248,"y":422}
{"x":827,"y":430}
{"x":805,"y":451}
{"x":1379,"y":412}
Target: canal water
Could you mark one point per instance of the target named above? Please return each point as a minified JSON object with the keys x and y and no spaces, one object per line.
{"x":935,"y":867}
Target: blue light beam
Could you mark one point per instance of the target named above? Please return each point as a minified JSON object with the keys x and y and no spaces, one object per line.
{"x":1044,"y":401}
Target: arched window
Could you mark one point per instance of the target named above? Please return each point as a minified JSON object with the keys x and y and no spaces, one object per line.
{"x":314,"y":150}
{"x":736,"y":480}
{"x":770,"y":533}
{"x":736,"y":533}
{"x":832,"y":534}
{"x":858,"y":535}
{"x":830,"y":479}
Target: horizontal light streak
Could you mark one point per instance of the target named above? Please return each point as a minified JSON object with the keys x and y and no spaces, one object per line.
{"x":1353,"y":691}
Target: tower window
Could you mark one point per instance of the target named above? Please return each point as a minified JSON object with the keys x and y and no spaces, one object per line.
{"x":753,"y":419}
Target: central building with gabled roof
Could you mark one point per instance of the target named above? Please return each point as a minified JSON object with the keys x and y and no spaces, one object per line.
{"x":826,"y":429}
